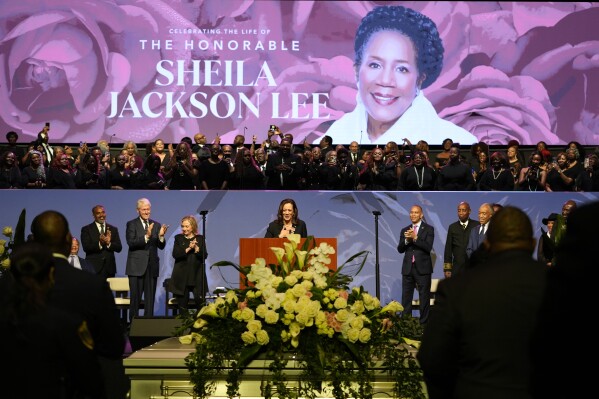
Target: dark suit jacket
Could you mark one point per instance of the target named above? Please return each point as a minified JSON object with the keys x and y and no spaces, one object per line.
{"x":274,"y":229}
{"x":141,"y":254}
{"x":477,"y":340}
{"x":475,"y":240}
{"x":421,"y":249}
{"x":101,"y":258}
{"x":90,"y":297}
{"x":456,"y":244}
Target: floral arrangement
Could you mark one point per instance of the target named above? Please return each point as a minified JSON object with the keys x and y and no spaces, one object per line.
{"x":14,"y":238}
{"x":5,"y":248}
{"x":300,"y":309}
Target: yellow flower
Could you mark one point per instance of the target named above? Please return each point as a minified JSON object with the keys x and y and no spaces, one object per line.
{"x":5,"y":263}
{"x":392,"y":307}
{"x":290,"y":280}
{"x":248,"y":337}
{"x":353,"y":335}
{"x":301,"y":258}
{"x":254,"y":326}
{"x":294,"y":329}
{"x":271,"y":317}
{"x":279,"y":252}
{"x":200,"y":323}
{"x":1,"y":247}
{"x":289,"y":251}
{"x":247,"y":314}
{"x":295,"y":239}
{"x":262,"y":337}
{"x":364,"y":335}
{"x":7,"y":231}
{"x":231,"y":296}
{"x":340,"y":303}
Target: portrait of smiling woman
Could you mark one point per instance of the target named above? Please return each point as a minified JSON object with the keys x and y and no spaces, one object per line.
{"x":398,"y":52}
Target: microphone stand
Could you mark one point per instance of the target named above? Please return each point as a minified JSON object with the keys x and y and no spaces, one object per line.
{"x":377,"y":271}
{"x":202,"y":300}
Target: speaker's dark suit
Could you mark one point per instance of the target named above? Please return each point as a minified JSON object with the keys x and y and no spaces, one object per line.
{"x":142,"y":261}
{"x":99,"y":255}
{"x":455,"y":256}
{"x":274,"y":229}
{"x":477,"y":340}
{"x":417,"y":274}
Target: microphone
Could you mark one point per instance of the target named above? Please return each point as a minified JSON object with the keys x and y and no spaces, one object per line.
{"x":204,"y":213}
{"x":376,"y":213}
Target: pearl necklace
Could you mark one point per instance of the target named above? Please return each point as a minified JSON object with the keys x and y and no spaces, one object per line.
{"x":419,"y":182}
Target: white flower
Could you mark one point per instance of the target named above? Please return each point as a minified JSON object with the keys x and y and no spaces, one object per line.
{"x":291,"y":280}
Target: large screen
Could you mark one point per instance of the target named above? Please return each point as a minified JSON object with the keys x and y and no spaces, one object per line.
{"x":140,"y":70}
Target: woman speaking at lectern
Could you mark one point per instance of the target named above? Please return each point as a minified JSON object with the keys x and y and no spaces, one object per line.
{"x":287,"y":221}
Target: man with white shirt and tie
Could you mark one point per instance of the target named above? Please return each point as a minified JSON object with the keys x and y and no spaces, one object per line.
{"x":100,"y":242}
{"x":477,"y":235}
{"x":416,"y":243}
{"x":144,"y":237}
{"x":455,"y":257}
{"x":76,"y":261}
{"x":354,"y":152}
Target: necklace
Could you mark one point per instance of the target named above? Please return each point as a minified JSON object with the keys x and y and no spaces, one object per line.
{"x":495,"y":177}
{"x":536,"y":182}
{"x":420,"y":181}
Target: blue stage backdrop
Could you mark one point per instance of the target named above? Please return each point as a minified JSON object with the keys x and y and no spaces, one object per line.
{"x":234,"y":215}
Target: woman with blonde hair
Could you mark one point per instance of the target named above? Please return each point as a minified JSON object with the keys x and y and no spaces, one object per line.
{"x":189,"y":252}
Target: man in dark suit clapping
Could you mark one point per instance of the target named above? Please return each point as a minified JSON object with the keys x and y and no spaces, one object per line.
{"x":144,"y":237}
{"x":100,"y":242}
{"x":416,"y":243}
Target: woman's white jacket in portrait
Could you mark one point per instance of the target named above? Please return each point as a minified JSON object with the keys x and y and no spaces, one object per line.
{"x":419,"y":122}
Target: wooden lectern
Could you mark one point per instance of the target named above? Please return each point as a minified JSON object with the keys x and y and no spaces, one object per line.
{"x":252,"y":248}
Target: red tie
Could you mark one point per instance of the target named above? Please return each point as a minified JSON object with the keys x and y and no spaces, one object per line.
{"x":415,"y":233}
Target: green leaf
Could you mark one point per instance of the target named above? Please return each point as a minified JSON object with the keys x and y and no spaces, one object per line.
{"x":19,"y":237}
{"x":247,"y":355}
{"x":226,"y":263}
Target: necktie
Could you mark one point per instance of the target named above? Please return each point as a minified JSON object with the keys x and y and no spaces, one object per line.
{"x":464,"y":226}
{"x":146,"y":225}
{"x":415,"y":233}
{"x":482,"y":229}
{"x":72,"y":260}
{"x":102,"y":228}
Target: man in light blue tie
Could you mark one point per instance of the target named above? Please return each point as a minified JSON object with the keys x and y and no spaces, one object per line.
{"x":478,"y":234}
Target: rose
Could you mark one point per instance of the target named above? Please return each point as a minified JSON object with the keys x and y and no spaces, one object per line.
{"x":254,"y":326}
{"x":365,"y":334}
{"x":248,"y":337}
{"x":262,"y":337}
{"x":71,"y":55}
{"x":7,"y":231}
{"x":497,"y":108}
